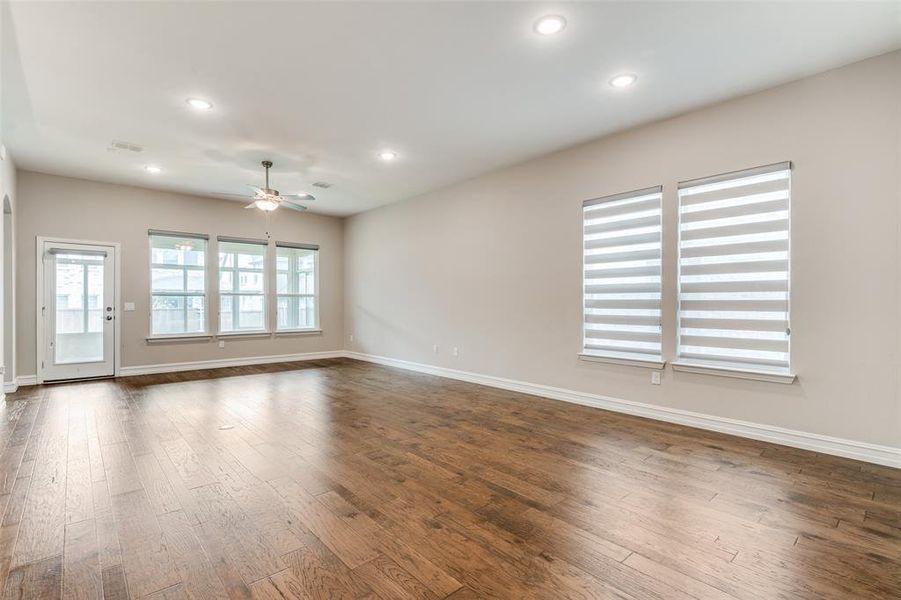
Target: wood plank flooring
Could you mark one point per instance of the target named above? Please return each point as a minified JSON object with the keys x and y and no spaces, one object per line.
{"x":340,"y":479}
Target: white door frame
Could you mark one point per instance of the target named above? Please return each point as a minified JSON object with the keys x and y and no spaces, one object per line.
{"x":39,"y":299}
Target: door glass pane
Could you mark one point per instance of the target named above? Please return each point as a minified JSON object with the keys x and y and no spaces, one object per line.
{"x":79,"y":309}
{"x":95,"y":306}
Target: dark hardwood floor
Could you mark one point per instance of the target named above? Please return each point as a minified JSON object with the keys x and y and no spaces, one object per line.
{"x":340,"y":479}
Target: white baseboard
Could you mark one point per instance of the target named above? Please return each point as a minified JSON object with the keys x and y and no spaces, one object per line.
{"x":196,"y":365}
{"x":881,"y":455}
{"x":21,"y":381}
{"x":225,"y":362}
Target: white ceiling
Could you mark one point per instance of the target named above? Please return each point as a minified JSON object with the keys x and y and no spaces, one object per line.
{"x":457,"y":88}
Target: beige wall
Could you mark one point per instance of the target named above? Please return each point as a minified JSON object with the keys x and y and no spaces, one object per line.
{"x":492,"y":265}
{"x":87,"y":210}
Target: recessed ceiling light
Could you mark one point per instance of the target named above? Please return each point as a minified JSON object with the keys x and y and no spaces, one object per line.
{"x":624,"y":80}
{"x":387,"y":155}
{"x":199,"y":103}
{"x":550,"y":24}
{"x":153,"y":169}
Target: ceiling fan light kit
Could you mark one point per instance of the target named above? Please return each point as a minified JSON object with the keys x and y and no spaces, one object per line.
{"x":268,"y":199}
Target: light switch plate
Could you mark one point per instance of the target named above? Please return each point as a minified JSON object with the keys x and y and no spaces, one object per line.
{"x":129,"y":306}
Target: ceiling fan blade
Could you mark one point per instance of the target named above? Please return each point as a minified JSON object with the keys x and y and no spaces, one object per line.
{"x":303,"y":197}
{"x":256,"y":190}
{"x":293,"y":206}
{"x":251,"y":205}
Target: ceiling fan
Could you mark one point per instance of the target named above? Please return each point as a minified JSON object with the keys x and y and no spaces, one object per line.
{"x":268,"y":199}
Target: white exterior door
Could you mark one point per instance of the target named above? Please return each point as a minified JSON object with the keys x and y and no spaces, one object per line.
{"x":78,"y":310}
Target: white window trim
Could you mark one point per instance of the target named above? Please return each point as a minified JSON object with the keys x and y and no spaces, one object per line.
{"x":248,"y":333}
{"x":39,"y":300}
{"x":263,"y":331}
{"x":206,"y":285}
{"x":316,"y":328}
{"x":688,"y":366}
{"x":584,"y":354}
{"x":702,"y":369}
{"x":298,"y":332}
{"x":178,"y":336}
{"x":656,"y":365}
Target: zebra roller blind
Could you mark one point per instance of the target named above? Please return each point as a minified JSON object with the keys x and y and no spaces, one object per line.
{"x":734,"y":240}
{"x":621,"y":276}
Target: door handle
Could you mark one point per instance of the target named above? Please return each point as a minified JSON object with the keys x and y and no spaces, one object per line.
{"x":109,"y":317}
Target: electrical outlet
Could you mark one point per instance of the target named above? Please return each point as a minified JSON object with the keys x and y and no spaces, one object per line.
{"x":655,"y":377}
{"x":351,"y":337}
{"x":456,"y":351}
{"x":222,"y":343}
{"x":129,"y":306}
{"x":435,"y":349}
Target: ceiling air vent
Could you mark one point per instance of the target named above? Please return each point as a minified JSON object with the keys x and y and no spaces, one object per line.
{"x":322,"y":184}
{"x":120,"y":146}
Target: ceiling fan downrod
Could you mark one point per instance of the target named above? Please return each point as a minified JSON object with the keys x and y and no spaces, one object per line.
{"x":266,"y":165}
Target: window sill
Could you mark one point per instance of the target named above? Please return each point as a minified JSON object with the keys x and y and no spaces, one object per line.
{"x":179,"y":337}
{"x":298,"y":332}
{"x":227,"y":334}
{"x":657,"y":365}
{"x":771,"y":376}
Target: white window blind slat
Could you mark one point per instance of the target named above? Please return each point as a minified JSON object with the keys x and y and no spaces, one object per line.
{"x":734,"y":270}
{"x":622,"y":275}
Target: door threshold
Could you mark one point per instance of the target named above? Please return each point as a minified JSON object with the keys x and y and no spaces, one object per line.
{"x":77,"y":379}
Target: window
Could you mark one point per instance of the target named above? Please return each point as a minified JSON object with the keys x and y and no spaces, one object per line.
{"x":177,"y":283}
{"x":621,"y":260}
{"x":734,"y":270}
{"x":296,"y":286}
{"x":242,"y":285}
